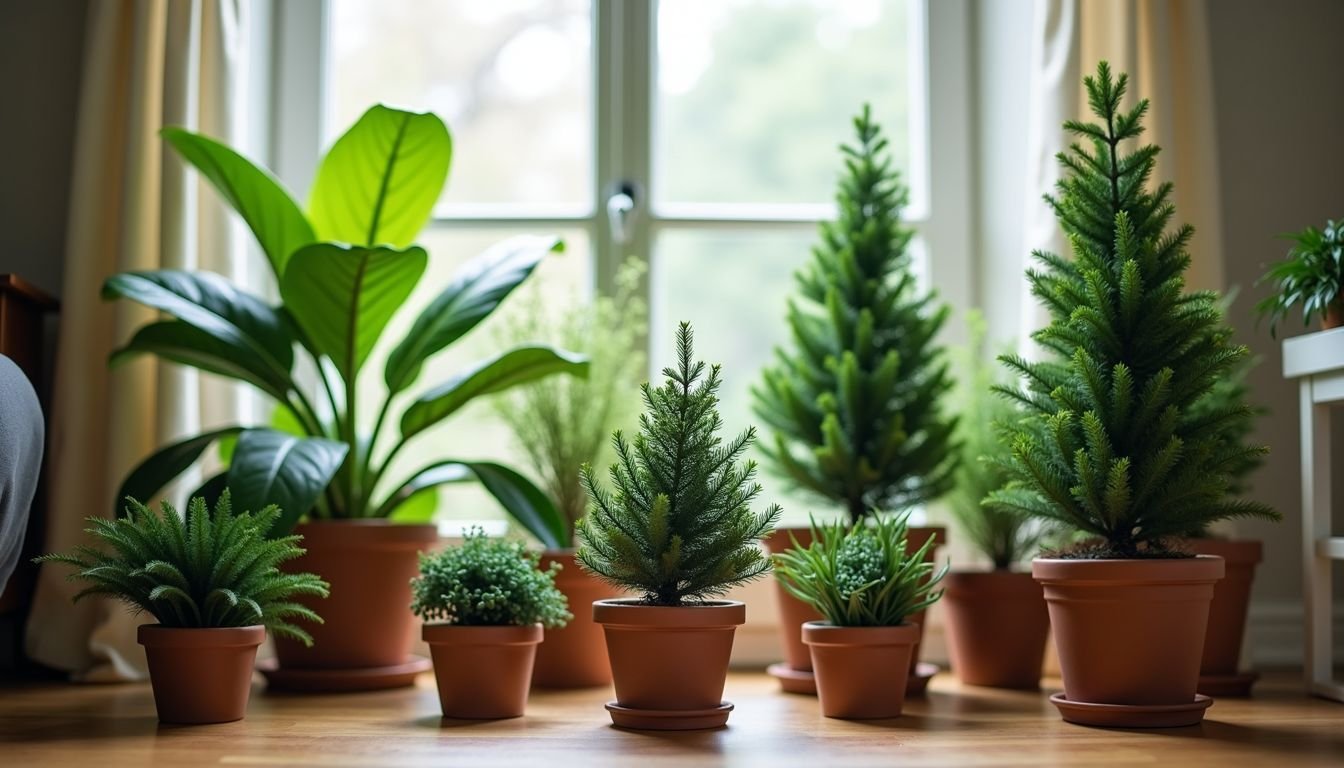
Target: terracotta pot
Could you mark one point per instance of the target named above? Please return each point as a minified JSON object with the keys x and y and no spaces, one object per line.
{"x":483,"y":673}
{"x":916,"y":538}
{"x":574,"y":656}
{"x":369,"y":564}
{"x":861,"y":671}
{"x":669,"y":659}
{"x":997,"y":625}
{"x":1334,"y":315}
{"x":1129,"y":632}
{"x":1231,"y":599}
{"x":200,"y":675}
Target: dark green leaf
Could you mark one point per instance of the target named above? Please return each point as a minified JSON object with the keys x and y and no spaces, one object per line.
{"x":271,"y":467}
{"x":522,"y":500}
{"x":164,"y":465}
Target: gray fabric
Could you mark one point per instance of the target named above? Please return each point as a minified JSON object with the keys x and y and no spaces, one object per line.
{"x":21,"y":435}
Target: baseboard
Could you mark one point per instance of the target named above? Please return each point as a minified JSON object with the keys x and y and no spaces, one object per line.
{"x":1275,"y":631}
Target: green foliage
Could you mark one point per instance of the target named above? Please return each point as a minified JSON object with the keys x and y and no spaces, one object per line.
{"x":210,"y":570}
{"x":677,"y":524}
{"x":1115,"y":442}
{"x":563,"y":422}
{"x":861,"y":574}
{"x":488,"y":582}
{"x":1311,"y":275}
{"x":344,"y":270}
{"x":855,"y":404}
{"x":1002,"y":535}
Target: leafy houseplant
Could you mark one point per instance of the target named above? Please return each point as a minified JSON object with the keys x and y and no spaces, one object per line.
{"x":865,"y":580}
{"x":485,"y":604}
{"x":676,"y":527}
{"x":213,"y":583}
{"x":1311,"y":275}
{"x":854,"y":405}
{"x":1112,"y":444}
{"x":343,"y":270}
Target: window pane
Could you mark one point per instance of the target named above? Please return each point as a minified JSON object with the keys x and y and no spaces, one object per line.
{"x":753,"y":96}
{"x":512,"y":78}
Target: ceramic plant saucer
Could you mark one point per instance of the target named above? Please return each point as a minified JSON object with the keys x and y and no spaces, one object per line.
{"x":793,"y":680}
{"x":669,"y":720}
{"x":918,"y":681}
{"x":341,"y":680}
{"x":1236,"y":685}
{"x":1132,"y":715}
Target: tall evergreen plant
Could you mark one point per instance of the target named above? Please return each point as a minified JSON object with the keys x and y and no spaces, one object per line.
{"x":1121,"y":439}
{"x":855,"y":404}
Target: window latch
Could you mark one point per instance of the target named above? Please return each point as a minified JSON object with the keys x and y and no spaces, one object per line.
{"x":621,"y":212}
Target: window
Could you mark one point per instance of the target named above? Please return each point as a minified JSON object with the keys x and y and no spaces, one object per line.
{"x":719,"y":119}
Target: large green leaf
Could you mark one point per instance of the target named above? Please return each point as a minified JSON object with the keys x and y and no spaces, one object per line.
{"x":523,"y":501}
{"x":164,"y":465}
{"x":477,"y":288}
{"x":185,"y":344}
{"x":517,"y":366}
{"x":343,"y":296}
{"x":378,"y":183}
{"x":275,"y":219}
{"x":271,"y":467}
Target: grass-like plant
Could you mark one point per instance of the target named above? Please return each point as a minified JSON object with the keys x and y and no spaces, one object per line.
{"x":488,"y":582}
{"x":862,"y":574}
{"x":209,"y":570}
{"x":676,"y":525}
{"x":1311,"y":275}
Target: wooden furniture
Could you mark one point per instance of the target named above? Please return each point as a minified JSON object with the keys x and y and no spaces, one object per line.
{"x":1318,"y":360}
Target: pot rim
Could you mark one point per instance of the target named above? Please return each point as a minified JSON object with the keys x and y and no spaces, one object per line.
{"x":440,"y":633}
{"x":824,"y":633}
{"x":636,"y":614}
{"x":159,"y":636}
{"x":1184,"y":570}
{"x":366,"y":534}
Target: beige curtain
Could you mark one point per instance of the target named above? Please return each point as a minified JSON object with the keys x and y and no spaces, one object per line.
{"x":147,"y":63}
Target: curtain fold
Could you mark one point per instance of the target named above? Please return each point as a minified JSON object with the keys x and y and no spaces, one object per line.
{"x":134,"y":206}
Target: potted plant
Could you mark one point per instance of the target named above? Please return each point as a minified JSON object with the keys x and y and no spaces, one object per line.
{"x":675,"y":527}
{"x":997,"y":623}
{"x":343,"y":269}
{"x":855,"y":404}
{"x":562,"y":423}
{"x":485,"y":604}
{"x":1311,"y":275}
{"x":1111,"y":444}
{"x":212,"y":583}
{"x":866,"y":581}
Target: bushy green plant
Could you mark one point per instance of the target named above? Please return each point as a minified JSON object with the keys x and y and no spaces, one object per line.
{"x":855,"y":405}
{"x":343,"y":269}
{"x":209,"y":570}
{"x":488,"y":582}
{"x":1114,"y":442}
{"x":1311,"y":275}
{"x":564,"y":422}
{"x":862,"y":574}
{"x":676,"y":525}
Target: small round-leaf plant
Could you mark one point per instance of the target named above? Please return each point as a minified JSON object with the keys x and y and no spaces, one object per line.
{"x":1119,"y":440}
{"x":862,"y":574}
{"x":676,"y":525}
{"x":1311,"y":275}
{"x":489,"y":583}
{"x":208,"y":570}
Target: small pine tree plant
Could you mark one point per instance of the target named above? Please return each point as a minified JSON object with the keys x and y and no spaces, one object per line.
{"x":855,"y":405}
{"x":488,"y":582}
{"x":676,"y":525}
{"x":1119,"y":440}
{"x":209,"y":570}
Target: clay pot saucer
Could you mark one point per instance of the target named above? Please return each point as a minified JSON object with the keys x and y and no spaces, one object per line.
{"x":343,"y":680}
{"x":669,"y":720}
{"x":800,"y":681}
{"x":918,"y":683}
{"x":1236,"y":685}
{"x":1132,"y":715}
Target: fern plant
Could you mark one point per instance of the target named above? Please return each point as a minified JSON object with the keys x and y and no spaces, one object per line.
{"x":677,"y":524}
{"x":1311,"y":275}
{"x":209,"y":570}
{"x":1114,"y":442}
{"x":488,"y":582}
{"x":862,"y":574}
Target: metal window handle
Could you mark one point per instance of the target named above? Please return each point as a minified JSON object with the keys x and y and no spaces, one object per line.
{"x":620,"y":212}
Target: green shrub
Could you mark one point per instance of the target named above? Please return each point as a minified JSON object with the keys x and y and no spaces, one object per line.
{"x":1312,"y":274}
{"x":488,"y":582}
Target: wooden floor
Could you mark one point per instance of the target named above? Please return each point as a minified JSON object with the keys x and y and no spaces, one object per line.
{"x":105,"y":726}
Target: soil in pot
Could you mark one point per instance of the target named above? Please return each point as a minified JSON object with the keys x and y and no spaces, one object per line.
{"x":669,"y":664}
{"x":1219,"y":674}
{"x":997,"y":625}
{"x":861,"y":672}
{"x":1130,"y":633}
{"x":574,"y":656}
{"x":200,"y":675}
{"x":483,"y":673}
